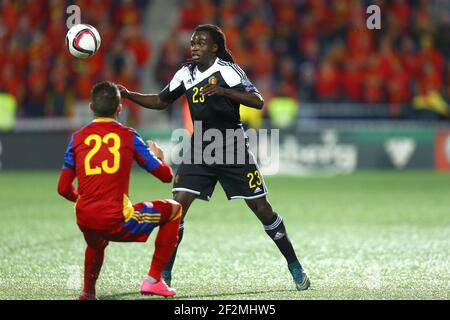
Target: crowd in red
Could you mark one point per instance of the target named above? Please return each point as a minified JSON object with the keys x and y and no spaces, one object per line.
{"x":312,"y":50}
{"x":322,"y":51}
{"x":37,"y":69}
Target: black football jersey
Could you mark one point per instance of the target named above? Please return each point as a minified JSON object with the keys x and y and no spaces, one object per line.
{"x":214,"y":111}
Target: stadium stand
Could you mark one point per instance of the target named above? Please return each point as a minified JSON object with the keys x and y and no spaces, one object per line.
{"x":316,"y":52}
{"x":37,"y":69}
{"x":322,"y":52}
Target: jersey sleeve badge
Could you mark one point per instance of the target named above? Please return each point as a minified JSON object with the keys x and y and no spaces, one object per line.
{"x":249,"y":87}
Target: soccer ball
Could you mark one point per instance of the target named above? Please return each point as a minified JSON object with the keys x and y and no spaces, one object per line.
{"x":83,"y":40}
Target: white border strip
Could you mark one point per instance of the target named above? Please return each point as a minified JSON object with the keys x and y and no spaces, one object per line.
{"x":187,"y":190}
{"x":249,"y":198}
{"x":274,"y":225}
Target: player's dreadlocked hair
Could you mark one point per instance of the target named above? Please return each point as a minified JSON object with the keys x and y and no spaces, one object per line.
{"x":218,"y":38}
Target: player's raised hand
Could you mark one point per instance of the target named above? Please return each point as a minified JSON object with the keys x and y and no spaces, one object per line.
{"x":156,"y":149}
{"x":211,"y":89}
{"x":123,"y":91}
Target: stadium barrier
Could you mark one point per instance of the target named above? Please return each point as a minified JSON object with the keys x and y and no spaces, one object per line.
{"x":321,"y":151}
{"x":344,"y":151}
{"x":32,"y":150}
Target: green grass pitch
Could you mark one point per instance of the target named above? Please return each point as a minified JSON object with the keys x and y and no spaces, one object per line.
{"x":370,"y":235}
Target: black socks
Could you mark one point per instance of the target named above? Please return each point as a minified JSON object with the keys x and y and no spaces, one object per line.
{"x":277,"y":232}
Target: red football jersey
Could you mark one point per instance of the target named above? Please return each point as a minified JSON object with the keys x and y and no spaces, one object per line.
{"x":102,"y":155}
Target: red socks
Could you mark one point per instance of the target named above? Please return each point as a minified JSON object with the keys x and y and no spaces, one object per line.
{"x":165,"y":243}
{"x":93,"y":262}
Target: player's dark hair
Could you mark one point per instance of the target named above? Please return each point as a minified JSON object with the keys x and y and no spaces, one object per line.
{"x":218,"y":38}
{"x":105,"y":97}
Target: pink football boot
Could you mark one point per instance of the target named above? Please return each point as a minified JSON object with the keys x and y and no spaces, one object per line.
{"x":159,"y":289}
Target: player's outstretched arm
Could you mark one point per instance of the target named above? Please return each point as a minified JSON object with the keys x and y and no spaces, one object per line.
{"x":151,"y":157}
{"x":163,"y":172}
{"x":149,"y":101}
{"x":249,"y":99}
{"x":65,"y":185}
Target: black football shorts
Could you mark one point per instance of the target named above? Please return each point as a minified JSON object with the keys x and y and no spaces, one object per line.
{"x":238,"y":181}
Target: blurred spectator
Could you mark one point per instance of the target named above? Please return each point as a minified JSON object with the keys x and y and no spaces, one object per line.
{"x":59,"y":95}
{"x":10,"y":15}
{"x":306,"y":82}
{"x":388,"y":57}
{"x":398,"y":88}
{"x":447,"y":83}
{"x":360,"y":42}
{"x":225,"y":11}
{"x":16,"y":56}
{"x":285,"y":71}
{"x":251,"y":117}
{"x":83,"y":82}
{"x":263,"y":60}
{"x":256,"y":28}
{"x":54,"y":33}
{"x":107,"y":31}
{"x":232,"y":32}
{"x":36,"y":83}
{"x":169,"y":62}
{"x":431,"y":106}
{"x":307,"y":35}
{"x":352,"y":82}
{"x":284,"y":40}
{"x":12,"y":82}
{"x":428,"y":53}
{"x":190,"y":15}
{"x":327,"y":82}
{"x":408,"y":57}
{"x":135,"y":43}
{"x":429,"y":97}
{"x":126,"y":14}
{"x":7,"y":111}
{"x":283,"y":107}
{"x":429,"y":79}
{"x":208,"y":10}
{"x":401,"y":12}
{"x":373,"y":81}
{"x":423,"y":22}
{"x":127,"y":78}
{"x":93,"y":8}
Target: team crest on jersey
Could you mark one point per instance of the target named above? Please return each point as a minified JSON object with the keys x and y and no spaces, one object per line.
{"x":212,"y":80}
{"x":177,"y":179}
